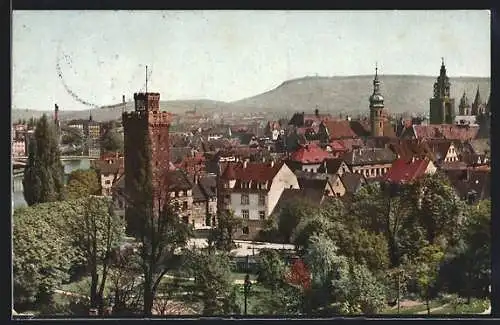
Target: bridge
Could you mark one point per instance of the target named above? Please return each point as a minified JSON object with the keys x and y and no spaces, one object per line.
{"x":24,"y":159}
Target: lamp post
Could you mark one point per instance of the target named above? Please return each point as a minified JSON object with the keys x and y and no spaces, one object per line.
{"x":246,"y":287}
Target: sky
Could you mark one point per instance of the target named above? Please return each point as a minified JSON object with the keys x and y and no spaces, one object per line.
{"x":78,"y":59}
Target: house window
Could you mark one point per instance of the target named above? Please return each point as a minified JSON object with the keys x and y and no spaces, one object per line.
{"x":245,"y":214}
{"x":245,"y":200}
{"x":181,"y":193}
{"x":107,"y":182}
{"x":246,"y":231}
{"x":262,"y":199}
{"x":262,"y":215}
{"x":185,"y":219}
{"x":228,"y":199}
{"x":184,"y":205}
{"x":208,"y":220}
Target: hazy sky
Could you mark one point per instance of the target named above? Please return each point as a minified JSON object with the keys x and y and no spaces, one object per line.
{"x":229,"y":55}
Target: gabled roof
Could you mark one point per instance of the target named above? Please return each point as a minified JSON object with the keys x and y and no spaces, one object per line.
{"x":352,"y":182}
{"x":333,"y":165}
{"x":403,"y":171}
{"x":309,"y":154}
{"x":339,"y":129}
{"x":363,"y":128}
{"x":439,"y":147}
{"x":209,"y":185}
{"x":289,"y":195}
{"x":369,"y":156}
{"x":259,"y":172}
{"x":409,"y":148}
{"x":106,"y":168}
{"x":178,"y":180}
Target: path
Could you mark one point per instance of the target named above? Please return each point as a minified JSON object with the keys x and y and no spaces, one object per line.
{"x":433,"y":309}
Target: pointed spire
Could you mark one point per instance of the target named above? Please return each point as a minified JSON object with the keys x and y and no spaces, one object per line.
{"x":376,"y":82}
{"x":477,"y":99}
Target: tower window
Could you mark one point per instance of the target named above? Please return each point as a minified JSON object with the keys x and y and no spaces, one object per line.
{"x":159,"y":137}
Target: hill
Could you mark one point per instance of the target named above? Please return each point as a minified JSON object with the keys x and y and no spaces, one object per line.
{"x":350,"y":94}
{"x":331,"y":94}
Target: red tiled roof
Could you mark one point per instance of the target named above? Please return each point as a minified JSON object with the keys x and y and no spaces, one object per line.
{"x":409,"y":148}
{"x":337,"y":145}
{"x":446,"y":131}
{"x":260,"y":172}
{"x":309,"y":153}
{"x":403,"y":170}
{"x":339,"y":129}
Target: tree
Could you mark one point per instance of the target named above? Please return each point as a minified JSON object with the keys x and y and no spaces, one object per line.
{"x":112,"y":141}
{"x":212,"y":274}
{"x":82,"y":183}
{"x":438,"y":207}
{"x":384,"y":209}
{"x":153,"y":218}
{"x":312,"y":225}
{"x":271,"y":269}
{"x":359,"y":291}
{"x":98,"y":232}
{"x":291,"y":215}
{"x":222,"y":236}
{"x":427,"y":269}
{"x":42,"y":250}
{"x":43,"y":175}
{"x":72,"y":136}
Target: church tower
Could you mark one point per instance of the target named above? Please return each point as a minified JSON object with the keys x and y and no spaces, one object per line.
{"x":464,"y":107}
{"x":477,"y":105}
{"x":376,"y":108}
{"x":442,"y":107}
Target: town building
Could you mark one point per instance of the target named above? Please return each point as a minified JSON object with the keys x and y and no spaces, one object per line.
{"x":309,"y":158}
{"x":109,"y":169}
{"x":252,"y":190}
{"x":405,"y":171}
{"x":370,"y":162}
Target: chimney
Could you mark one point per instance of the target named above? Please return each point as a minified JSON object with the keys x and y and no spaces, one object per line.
{"x":245,"y":163}
{"x":316,"y":111}
{"x":123,"y":99}
{"x":56,"y":112}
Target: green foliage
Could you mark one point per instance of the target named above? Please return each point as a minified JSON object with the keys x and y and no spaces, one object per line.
{"x":72,"y":136}
{"x":271,"y":269}
{"x":212,"y":273}
{"x":358,"y":291}
{"x":42,"y":248}
{"x":82,"y":183}
{"x":426,"y":269}
{"x":43,"y":175}
{"x":438,"y":207}
{"x":291,"y":215}
{"x":314,"y":224}
{"x":323,"y":259}
{"x":112,"y":141}
{"x":221,"y":237}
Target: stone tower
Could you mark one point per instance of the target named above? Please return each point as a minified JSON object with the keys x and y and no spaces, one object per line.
{"x":442,"y":107}
{"x":478,"y":106}
{"x":376,"y":108}
{"x":464,"y":106}
{"x":146,"y":121}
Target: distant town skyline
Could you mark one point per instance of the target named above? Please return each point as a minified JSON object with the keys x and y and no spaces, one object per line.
{"x":82,"y":58}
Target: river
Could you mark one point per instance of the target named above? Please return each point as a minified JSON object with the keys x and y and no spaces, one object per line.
{"x":69,"y":166}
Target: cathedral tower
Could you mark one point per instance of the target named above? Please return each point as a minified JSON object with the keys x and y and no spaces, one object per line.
{"x":442,"y":107}
{"x":464,"y":106}
{"x":478,"y":106}
{"x":376,"y":108}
